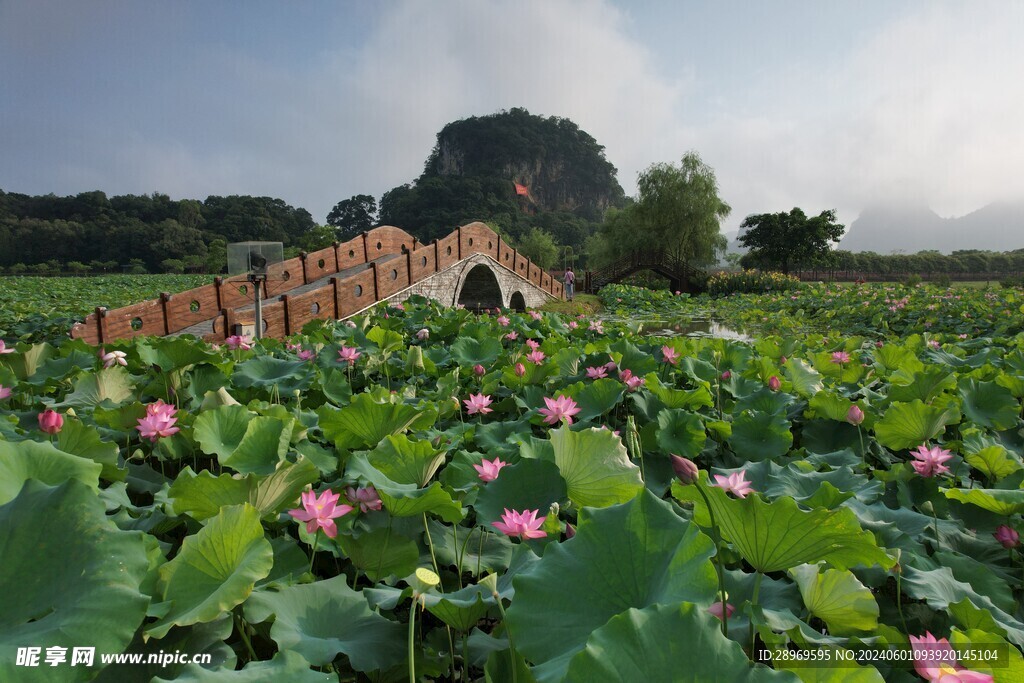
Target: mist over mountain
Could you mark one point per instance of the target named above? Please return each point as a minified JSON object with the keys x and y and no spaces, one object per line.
{"x":909,"y":229}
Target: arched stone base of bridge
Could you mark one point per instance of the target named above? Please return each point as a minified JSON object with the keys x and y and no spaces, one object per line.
{"x":517,"y":302}
{"x":480,"y":289}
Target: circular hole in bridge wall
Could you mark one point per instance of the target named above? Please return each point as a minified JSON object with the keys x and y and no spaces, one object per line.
{"x":136,"y":324}
{"x":379,"y":246}
{"x":470,"y":241}
{"x":394,"y":274}
{"x":423,"y":261}
{"x":194,"y":306}
{"x":286,"y":275}
{"x":266,"y":326}
{"x":449,"y":251}
{"x":320,"y":263}
{"x":351,"y":253}
{"x":359,"y":290}
{"x":315,"y":308}
{"x":490,"y":245}
{"x":244,"y":290}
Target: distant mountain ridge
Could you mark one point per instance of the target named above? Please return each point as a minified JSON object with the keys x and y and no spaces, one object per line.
{"x":909,"y":229}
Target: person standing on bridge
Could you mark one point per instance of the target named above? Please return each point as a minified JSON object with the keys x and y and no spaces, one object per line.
{"x":570,"y":283}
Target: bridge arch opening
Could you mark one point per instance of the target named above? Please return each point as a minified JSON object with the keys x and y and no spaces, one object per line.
{"x":480,"y":289}
{"x":518,"y":302}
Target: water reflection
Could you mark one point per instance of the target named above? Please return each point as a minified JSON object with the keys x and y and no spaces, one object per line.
{"x":684,"y":327}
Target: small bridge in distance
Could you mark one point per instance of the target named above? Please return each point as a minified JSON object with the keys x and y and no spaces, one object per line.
{"x":473,"y":267}
{"x":682,"y":276}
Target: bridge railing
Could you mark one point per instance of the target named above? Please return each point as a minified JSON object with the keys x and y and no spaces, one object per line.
{"x":220,"y":301}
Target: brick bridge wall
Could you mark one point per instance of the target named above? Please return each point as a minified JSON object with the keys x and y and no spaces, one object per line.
{"x":394,"y":265}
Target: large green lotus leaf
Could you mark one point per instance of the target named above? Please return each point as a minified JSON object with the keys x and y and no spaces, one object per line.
{"x":528,"y":485}
{"x":829,"y":405}
{"x":173,"y":353}
{"x":629,"y":357}
{"x":25,"y":364}
{"x":461,"y":609}
{"x":677,"y":643}
{"x":988,"y":404}
{"x":806,"y":380}
{"x":262,"y":447}
{"x":687,"y":399}
{"x":836,"y":597}
{"x":219,"y":431}
{"x":380,"y":553}
{"x":906,"y":425}
{"x":385,"y":340}
{"x":207,"y":639}
{"x":843,"y":372}
{"x":637,"y":554}
{"x":405,"y":460}
{"x":595,"y":466}
{"x":597,"y":398}
{"x":894,"y":357}
{"x":215,"y":569}
{"x":988,"y":455}
{"x":109,"y":384}
{"x":201,"y":496}
{"x":939,"y":588}
{"x":285,"y":666}
{"x":495,"y":438}
{"x":766,"y":401}
{"x":981,"y":577}
{"x":479,"y":550}
{"x":803,"y":484}
{"x":280,"y":490}
{"x":469,"y":352}
{"x":1000,"y":501}
{"x":60,"y":368}
{"x":69,"y":577}
{"x":364,"y":422}
{"x":822,"y":437}
{"x":406,"y":500}
{"x":849,"y":672}
{"x":324,"y":619}
{"x":85,"y":441}
{"x":284,"y":376}
{"x":680,"y":432}
{"x":779,"y":535}
{"x":760,"y":436}
{"x":24,"y":460}
{"x":923,"y":385}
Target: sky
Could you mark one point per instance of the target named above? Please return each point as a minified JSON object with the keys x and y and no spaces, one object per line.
{"x":845,"y":104}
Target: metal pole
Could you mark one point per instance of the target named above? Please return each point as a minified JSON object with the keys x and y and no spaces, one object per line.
{"x":259,"y":306}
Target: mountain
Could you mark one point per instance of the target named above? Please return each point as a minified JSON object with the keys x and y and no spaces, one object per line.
{"x":909,"y":229}
{"x":514,"y":170}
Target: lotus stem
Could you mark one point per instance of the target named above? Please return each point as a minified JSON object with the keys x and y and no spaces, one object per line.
{"x":479,"y":553}
{"x":430,"y":544}
{"x":718,"y":557}
{"x":511,"y":642}
{"x":753,"y":604}
{"x":412,"y":638}
{"x":241,"y":626}
{"x":316,"y":540}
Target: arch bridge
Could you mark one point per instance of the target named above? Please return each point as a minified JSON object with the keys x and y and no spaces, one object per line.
{"x":473,"y":266}
{"x":682,"y":276}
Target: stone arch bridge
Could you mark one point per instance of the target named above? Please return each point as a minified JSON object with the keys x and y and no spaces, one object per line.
{"x":472,"y":266}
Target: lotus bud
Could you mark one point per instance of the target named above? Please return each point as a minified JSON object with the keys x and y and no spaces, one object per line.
{"x":479,"y":370}
{"x":570,"y":531}
{"x":50,"y":421}
{"x":520,"y":369}
{"x":854,"y":415}
{"x":686,"y":470}
{"x":782,"y":360}
{"x":726,"y":375}
{"x":423,"y":334}
{"x":774,"y":383}
{"x":1007,"y":536}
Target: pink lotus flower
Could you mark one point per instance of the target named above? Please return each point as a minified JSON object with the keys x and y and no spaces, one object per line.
{"x":879,"y":344}
{"x":669,"y":355}
{"x":597,"y":373}
{"x":611,"y":366}
{"x":854,"y":415}
{"x":596,"y":326}
{"x":239,"y":341}
{"x":503,"y":321}
{"x":423,"y":334}
{"x":348,"y":354}
{"x":477,"y":403}
{"x":488,"y":470}
{"x":114,"y":358}
{"x":535,"y":357}
{"x":558,"y":409}
{"x":631,"y":381}
{"x":782,"y":360}
{"x":158,"y":422}
{"x":50,"y":421}
{"x":774,"y":383}
{"x":933,"y":343}
{"x":520,"y":369}
{"x":533,"y":344}
{"x":319,"y":512}
{"x":928,"y":461}
{"x":399,"y":306}
{"x":736,"y":484}
{"x":5,"y":392}
{"x":512,"y":336}
{"x":523,"y":524}
{"x":686,"y":470}
{"x":935,"y":661}
{"x":479,"y":370}
{"x":726,"y":375}
{"x":573,"y":324}
{"x":535,"y":315}
{"x":1007,"y":536}
{"x":716,"y":610}
{"x":840,"y":357}
{"x":366,"y":498}
{"x":4,"y":349}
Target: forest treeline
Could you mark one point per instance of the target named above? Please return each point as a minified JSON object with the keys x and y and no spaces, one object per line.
{"x":96,"y":233}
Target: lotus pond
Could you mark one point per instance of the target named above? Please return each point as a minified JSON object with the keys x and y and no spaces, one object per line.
{"x":528,"y":497}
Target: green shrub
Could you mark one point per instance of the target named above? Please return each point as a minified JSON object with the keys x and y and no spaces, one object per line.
{"x":750,"y":281}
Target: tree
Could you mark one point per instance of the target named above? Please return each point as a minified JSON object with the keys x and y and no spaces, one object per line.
{"x":538,"y":246}
{"x":785,"y":240}
{"x":677,"y":210}
{"x":353,"y":215}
